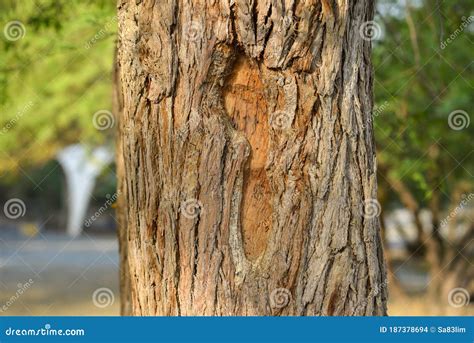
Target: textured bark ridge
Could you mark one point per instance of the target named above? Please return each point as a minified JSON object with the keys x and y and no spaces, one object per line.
{"x":247,"y":158}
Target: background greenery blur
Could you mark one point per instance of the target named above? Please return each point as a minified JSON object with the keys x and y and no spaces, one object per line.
{"x":52,"y":81}
{"x":58,"y":74}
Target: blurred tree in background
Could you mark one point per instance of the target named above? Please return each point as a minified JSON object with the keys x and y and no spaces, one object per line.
{"x":55,"y":73}
{"x":424,"y":100}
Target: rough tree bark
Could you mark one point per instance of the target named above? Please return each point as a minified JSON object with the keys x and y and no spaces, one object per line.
{"x":124,"y":275}
{"x":248,"y":158}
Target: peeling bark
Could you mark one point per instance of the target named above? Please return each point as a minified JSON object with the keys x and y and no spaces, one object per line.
{"x":248,"y":158}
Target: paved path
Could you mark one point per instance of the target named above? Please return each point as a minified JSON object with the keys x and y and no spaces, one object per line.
{"x":64,"y":275}
{"x":67,"y":273}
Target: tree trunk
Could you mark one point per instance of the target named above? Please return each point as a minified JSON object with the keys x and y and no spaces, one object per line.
{"x":249,"y":167}
{"x":124,"y":274}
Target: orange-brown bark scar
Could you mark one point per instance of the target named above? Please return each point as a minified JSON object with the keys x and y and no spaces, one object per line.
{"x":246,"y":105}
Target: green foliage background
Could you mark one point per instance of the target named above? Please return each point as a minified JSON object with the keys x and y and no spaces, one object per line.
{"x":55,"y":78}
{"x":419,"y":80}
{"x":58,"y":75}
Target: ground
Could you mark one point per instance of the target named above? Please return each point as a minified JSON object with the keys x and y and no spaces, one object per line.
{"x":66,"y":273}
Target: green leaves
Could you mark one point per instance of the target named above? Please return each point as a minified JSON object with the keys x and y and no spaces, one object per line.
{"x":53,"y":66}
{"x":413,"y":134}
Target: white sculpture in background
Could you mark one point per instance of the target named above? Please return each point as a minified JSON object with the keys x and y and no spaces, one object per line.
{"x":81,"y":166}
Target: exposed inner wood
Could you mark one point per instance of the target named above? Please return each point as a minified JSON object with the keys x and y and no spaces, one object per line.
{"x":245,"y":104}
